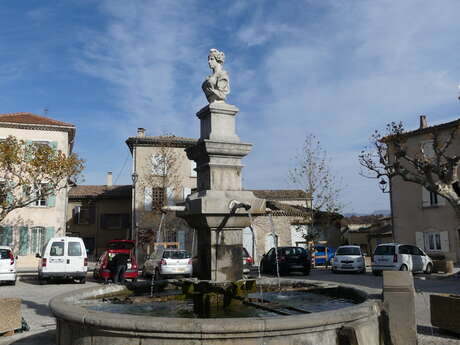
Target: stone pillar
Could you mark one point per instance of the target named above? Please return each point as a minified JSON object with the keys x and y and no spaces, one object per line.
{"x":399,"y":306}
{"x":218,"y":156}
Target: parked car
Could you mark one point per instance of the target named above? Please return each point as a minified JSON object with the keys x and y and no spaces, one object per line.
{"x":168,"y":263}
{"x":402,"y":257}
{"x":63,"y":257}
{"x":290,"y":259}
{"x":7,"y":265}
{"x":348,"y":259}
{"x":102,"y":271}
{"x":322,"y":255}
{"x":248,"y":261}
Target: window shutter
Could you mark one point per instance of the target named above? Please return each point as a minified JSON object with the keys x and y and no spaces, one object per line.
{"x":23,"y":240}
{"x":53,"y":145}
{"x":186,"y":192}
{"x":445,"y":241}
{"x":51,"y":200}
{"x":6,"y":236}
{"x":92,"y":214}
{"x":75,"y":214}
{"x":192,"y":168}
{"x":148,"y":199}
{"x":170,"y":196}
{"x":49,"y":233}
{"x":425,"y":197}
{"x":441,"y":200}
{"x":181,"y":239}
{"x":420,"y":240}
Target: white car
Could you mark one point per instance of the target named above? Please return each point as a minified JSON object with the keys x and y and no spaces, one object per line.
{"x":7,"y":265}
{"x":400,"y":257}
{"x":167,"y":263}
{"x":349,"y":259}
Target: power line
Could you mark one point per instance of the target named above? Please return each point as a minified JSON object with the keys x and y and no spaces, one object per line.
{"x":122,"y":168}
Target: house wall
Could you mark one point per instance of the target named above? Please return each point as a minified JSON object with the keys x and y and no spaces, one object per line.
{"x":50,"y":218}
{"x":94,"y":233}
{"x":414,"y":218}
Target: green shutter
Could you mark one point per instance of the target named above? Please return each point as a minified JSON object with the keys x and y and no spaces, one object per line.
{"x":49,"y":233}
{"x":54,"y":145}
{"x":23,"y":240}
{"x":51,"y":200}
{"x":6,"y":236}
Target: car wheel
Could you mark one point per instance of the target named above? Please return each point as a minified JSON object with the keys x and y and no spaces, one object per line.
{"x":82,"y":280}
{"x":403,"y":268}
{"x":363,"y":271}
{"x":429,"y":269}
{"x":42,"y":281}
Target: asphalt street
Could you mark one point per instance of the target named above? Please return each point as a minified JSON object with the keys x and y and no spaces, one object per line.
{"x":35,"y":299}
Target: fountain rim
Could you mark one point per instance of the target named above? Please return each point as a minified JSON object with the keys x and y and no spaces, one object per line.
{"x":64,"y":306}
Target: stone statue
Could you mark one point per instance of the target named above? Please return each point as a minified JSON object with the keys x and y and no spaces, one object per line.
{"x":216,"y":87}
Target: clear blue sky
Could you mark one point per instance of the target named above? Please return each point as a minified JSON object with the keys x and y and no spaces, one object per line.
{"x":338,"y":69}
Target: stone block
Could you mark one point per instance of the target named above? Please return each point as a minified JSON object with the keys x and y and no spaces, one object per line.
{"x":10,"y":315}
{"x":445,"y":312}
{"x":445,"y":266}
{"x":399,"y":306}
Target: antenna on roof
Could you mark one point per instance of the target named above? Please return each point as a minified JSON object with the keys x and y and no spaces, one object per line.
{"x":45,"y":111}
{"x":458,"y":91}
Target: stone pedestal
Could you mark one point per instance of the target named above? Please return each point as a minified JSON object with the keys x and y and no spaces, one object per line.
{"x":10,"y":315}
{"x":445,"y":312}
{"x":399,"y":306}
{"x":218,"y":156}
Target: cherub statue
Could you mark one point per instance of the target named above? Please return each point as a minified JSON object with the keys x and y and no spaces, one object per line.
{"x":216,"y":87}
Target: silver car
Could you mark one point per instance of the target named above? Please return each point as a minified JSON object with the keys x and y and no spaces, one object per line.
{"x":349,"y":259}
{"x":168,"y":263}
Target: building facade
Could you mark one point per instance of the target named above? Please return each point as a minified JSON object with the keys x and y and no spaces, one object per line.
{"x":99,"y":214}
{"x":27,"y":229}
{"x":419,"y":216}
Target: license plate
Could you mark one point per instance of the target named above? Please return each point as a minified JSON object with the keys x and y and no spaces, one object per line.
{"x":347,"y":266}
{"x":180,"y":269}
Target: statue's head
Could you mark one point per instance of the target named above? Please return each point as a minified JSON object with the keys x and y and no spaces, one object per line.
{"x":217,"y":55}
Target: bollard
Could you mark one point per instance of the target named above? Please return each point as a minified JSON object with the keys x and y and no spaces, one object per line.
{"x":399,"y":306}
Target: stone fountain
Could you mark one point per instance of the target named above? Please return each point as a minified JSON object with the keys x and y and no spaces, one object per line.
{"x":219,"y":210}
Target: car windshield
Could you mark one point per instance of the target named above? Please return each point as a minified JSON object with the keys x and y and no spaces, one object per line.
{"x":4,"y":254}
{"x":385,"y":250}
{"x":176,"y":254}
{"x":348,"y":251}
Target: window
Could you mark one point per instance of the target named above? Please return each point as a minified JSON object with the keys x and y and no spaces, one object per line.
{"x":37,"y":239}
{"x":432,"y":241}
{"x":405,"y":250}
{"x":192,"y":169}
{"x":348,"y":251}
{"x":83,"y":215}
{"x":158,"y":197}
{"x":57,"y":249}
{"x":431,"y":199}
{"x":159,"y":165}
{"x":426,"y":147}
{"x":115,"y":221}
{"x":74,"y":249}
{"x":41,"y":200}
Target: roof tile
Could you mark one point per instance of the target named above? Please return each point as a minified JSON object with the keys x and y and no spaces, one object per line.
{"x":31,"y":119}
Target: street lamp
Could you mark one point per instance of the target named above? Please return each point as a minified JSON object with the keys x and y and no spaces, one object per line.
{"x":383,"y":185}
{"x":134,"y":178}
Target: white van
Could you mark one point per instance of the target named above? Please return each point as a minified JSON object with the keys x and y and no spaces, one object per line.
{"x":63,"y":257}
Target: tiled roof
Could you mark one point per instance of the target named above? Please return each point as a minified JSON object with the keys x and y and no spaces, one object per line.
{"x":280,"y":194}
{"x":31,"y":119}
{"x":430,"y":129}
{"x":100,"y":191}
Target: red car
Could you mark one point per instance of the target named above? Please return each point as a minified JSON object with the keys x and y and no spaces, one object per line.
{"x":114,"y":247}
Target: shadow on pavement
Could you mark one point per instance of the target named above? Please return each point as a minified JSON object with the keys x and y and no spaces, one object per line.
{"x":43,"y":338}
{"x":40,"y":309}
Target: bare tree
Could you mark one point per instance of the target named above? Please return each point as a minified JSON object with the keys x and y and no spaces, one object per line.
{"x":312,"y":174}
{"x":164,"y":182}
{"x":433,"y":164}
{"x":32,"y":172}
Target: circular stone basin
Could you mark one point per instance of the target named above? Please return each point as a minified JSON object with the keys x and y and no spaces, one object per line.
{"x":333,"y":315}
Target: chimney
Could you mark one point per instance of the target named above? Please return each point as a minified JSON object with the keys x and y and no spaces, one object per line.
{"x":423,"y":122}
{"x":141,"y":132}
{"x":109,"y":179}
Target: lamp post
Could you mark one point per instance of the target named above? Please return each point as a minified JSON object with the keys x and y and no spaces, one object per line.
{"x":134,"y":234}
{"x":385,"y":187}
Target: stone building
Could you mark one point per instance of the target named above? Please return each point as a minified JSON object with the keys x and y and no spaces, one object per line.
{"x":99,"y":214}
{"x":421,"y":217}
{"x":27,"y":229}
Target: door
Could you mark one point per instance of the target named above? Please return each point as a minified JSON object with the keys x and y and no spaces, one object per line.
{"x":75,"y":260}
{"x":56,"y":257}
{"x":405,"y":256}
